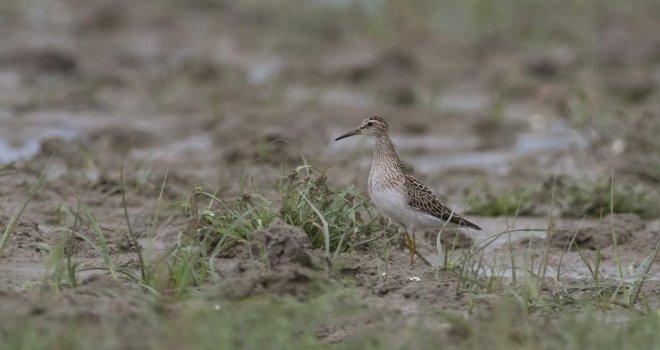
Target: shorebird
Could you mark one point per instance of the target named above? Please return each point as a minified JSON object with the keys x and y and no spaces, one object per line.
{"x":398,"y":194}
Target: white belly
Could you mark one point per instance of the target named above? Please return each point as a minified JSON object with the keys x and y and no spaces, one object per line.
{"x":395,"y":205}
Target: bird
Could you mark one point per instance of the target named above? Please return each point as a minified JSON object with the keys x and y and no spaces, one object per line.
{"x":398,"y":194}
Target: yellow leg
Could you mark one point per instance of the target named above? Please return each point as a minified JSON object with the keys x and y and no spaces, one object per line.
{"x":410,"y":244}
{"x":413,"y":250}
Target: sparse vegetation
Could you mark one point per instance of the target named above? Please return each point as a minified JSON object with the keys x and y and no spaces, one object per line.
{"x":224,"y":223}
{"x":599,"y":196}
{"x":217,"y":324}
{"x":490,"y":202}
{"x":13,"y":220}
{"x":334,"y":219}
{"x":95,"y":255}
{"x":648,"y":169}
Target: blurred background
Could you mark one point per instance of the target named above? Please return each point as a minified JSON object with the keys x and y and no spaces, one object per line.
{"x":522,"y":114}
{"x":477,"y":92}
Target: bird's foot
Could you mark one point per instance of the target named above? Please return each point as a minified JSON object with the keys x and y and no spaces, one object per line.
{"x":423,"y":258}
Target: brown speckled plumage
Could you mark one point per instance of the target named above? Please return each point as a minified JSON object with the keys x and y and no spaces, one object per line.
{"x":396,"y":192}
{"x":387,"y":171}
{"x":421,"y":198}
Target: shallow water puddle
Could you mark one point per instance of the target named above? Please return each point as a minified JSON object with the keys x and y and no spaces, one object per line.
{"x":572,"y":269}
{"x":498,"y":250}
{"x":448,"y":152}
{"x":21,"y":136}
{"x":21,"y":139}
{"x":554,"y":137}
{"x":175,"y":149}
{"x":462,"y":102}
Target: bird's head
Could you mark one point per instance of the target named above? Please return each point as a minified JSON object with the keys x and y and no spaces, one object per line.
{"x":373,"y":126}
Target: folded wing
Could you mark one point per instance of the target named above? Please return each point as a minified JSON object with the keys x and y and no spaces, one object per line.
{"x":422,"y":199}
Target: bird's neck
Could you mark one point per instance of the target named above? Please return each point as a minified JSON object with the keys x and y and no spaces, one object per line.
{"x":385,"y":154}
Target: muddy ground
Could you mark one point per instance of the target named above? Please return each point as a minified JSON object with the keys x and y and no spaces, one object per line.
{"x":224,"y":95}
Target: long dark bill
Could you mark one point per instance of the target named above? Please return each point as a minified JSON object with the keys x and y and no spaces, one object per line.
{"x":348,"y":134}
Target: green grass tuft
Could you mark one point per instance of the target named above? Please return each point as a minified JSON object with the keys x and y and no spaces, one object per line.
{"x":597,"y":197}
{"x":223,"y":223}
{"x":489,"y":202}
{"x":333,"y":219}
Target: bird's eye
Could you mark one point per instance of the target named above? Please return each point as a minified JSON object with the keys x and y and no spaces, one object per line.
{"x":370,"y":124}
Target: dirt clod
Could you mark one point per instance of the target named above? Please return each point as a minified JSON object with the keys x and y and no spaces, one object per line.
{"x":387,"y":63}
{"x":121,"y":139}
{"x":26,"y":231}
{"x":276,"y":261}
{"x":41,"y":60}
{"x":289,"y":279}
{"x":280,"y":244}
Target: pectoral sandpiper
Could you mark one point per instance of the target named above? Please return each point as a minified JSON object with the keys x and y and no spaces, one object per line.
{"x":398,"y":194}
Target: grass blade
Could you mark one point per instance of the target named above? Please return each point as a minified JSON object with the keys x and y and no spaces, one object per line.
{"x":102,"y":246}
{"x":13,"y":221}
